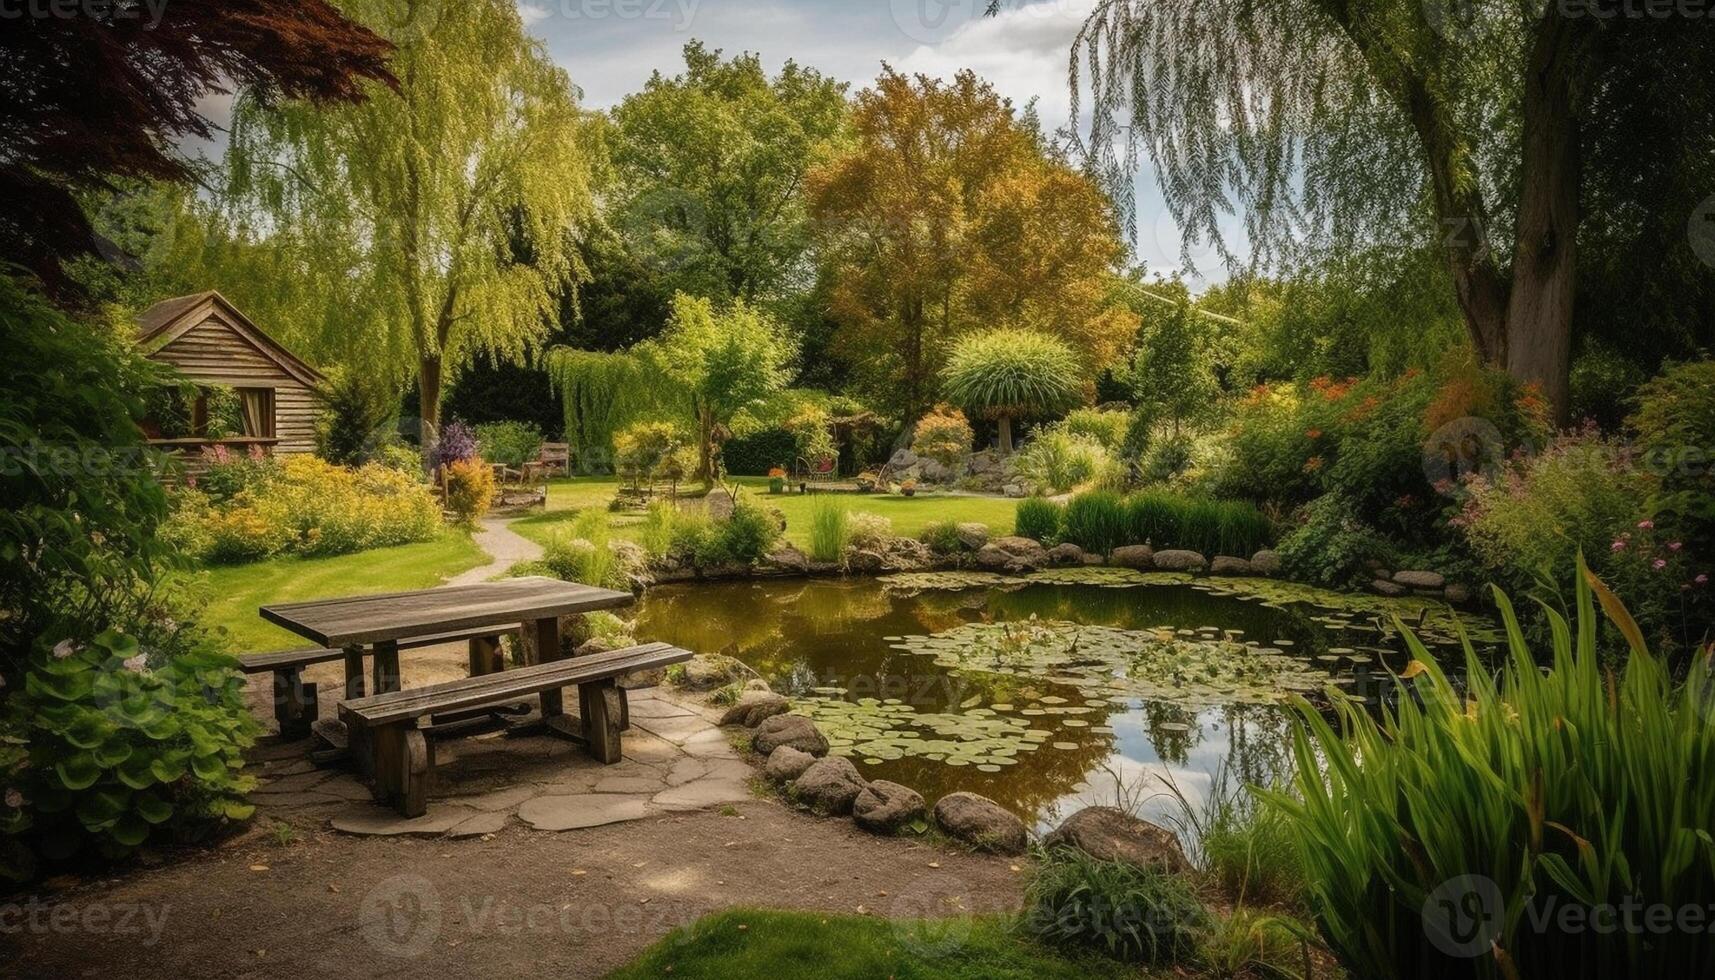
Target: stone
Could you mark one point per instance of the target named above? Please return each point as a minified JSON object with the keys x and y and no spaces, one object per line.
{"x":884,"y":807}
{"x":828,"y":787}
{"x":902,"y":459}
{"x":1228,"y":565}
{"x":788,"y":559}
{"x":1174,"y":560}
{"x":983,"y":462}
{"x":981,"y":823}
{"x":369,"y":819}
{"x":630,"y":784}
{"x":1420,"y":580}
{"x":973,"y":535}
{"x":580,"y":810}
{"x":1266,"y":562}
{"x":1383,"y":587}
{"x":786,"y":764}
{"x":795,"y":730}
{"x":725,"y":782}
{"x":1108,"y":833}
{"x":1012,"y":554}
{"x":934,"y":471}
{"x":640,"y":679}
{"x":1138,"y":556}
{"x":753,"y":707}
{"x":1066,"y":553}
{"x":1014,"y":491}
{"x":1458,"y":593}
{"x":482,"y":823}
{"x":705,"y":672}
{"x":757,"y":684}
{"x":865,"y":561}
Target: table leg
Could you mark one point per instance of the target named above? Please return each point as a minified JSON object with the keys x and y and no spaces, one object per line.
{"x":542,"y":645}
{"x":484,"y":655}
{"x":353,"y":673}
{"x":599,"y":708}
{"x":386,"y":666}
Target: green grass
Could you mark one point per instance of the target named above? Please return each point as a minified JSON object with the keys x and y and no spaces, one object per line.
{"x":909,"y":515}
{"x":236,"y":591}
{"x":807,"y":944}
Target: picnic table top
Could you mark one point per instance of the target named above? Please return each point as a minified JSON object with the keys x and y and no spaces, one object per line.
{"x":359,"y":620}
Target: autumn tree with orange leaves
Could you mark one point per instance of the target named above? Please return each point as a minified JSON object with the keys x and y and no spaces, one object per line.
{"x":952,"y":214}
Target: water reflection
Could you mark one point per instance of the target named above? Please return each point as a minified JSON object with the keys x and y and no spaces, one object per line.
{"x":1040,"y":744}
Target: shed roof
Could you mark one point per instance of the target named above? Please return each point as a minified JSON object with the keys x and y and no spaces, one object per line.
{"x":169,"y":319}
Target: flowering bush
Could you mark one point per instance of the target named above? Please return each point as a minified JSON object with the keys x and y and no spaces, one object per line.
{"x":307,"y":506}
{"x":470,"y":489}
{"x":457,"y":442}
{"x":645,"y":450}
{"x":943,"y":435}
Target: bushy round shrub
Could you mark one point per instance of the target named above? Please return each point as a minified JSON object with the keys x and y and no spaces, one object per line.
{"x":1057,"y":461}
{"x":1104,"y":426}
{"x":470,"y":489}
{"x":509,"y":443}
{"x":743,"y":537}
{"x":942,"y":537}
{"x":943,"y":435}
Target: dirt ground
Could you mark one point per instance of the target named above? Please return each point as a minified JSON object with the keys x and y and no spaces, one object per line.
{"x":519,"y":903}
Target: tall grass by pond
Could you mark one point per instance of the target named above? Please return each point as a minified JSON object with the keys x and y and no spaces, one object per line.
{"x":830,"y":528}
{"x":1451,"y":836}
{"x":1101,"y":520}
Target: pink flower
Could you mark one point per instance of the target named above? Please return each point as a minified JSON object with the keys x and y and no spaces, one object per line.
{"x":135,"y":664}
{"x":1618,"y":545}
{"x":64,"y":649}
{"x":1659,"y":564}
{"x":1647,"y":525}
{"x":1674,"y":545}
{"x":1701,"y":580}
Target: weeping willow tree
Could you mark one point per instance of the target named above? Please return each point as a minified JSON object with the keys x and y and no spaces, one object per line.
{"x":1331,"y":125}
{"x":603,"y":393}
{"x":435,"y":220}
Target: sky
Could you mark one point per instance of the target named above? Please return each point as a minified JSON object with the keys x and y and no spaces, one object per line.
{"x":610,"y":48}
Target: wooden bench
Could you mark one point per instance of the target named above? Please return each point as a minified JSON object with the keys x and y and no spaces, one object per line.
{"x":389,"y":745}
{"x":555,"y":456}
{"x":295,"y":706}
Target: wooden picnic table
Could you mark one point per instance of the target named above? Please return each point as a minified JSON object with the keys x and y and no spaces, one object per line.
{"x":381,"y":622}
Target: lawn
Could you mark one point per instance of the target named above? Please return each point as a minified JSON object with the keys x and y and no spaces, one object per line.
{"x":908,"y":514}
{"x":756,"y":943}
{"x":237,"y":590}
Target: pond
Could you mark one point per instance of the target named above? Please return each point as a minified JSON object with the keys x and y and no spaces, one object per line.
{"x":1059,"y":689}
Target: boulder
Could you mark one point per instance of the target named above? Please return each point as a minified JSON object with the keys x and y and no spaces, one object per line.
{"x":705,"y":672}
{"x":1228,"y":565}
{"x":983,"y":462}
{"x":1025,"y":552}
{"x":934,"y":471}
{"x":786,"y":764}
{"x":788,"y":559}
{"x":1384,"y":587}
{"x":902,"y":459}
{"x":981,"y":823}
{"x":1458,"y":593}
{"x":795,"y":730}
{"x":754,"y":707}
{"x":865,"y":561}
{"x":1180,"y":561}
{"x":972,"y":535}
{"x":906,"y":555}
{"x":757,"y":684}
{"x":1014,"y":491}
{"x":1066,"y":554}
{"x":1420,"y":580}
{"x":885,"y":808}
{"x":1266,"y":562}
{"x":1108,"y":833}
{"x":1138,"y":556}
{"x":828,"y":787}
{"x":639,"y":679}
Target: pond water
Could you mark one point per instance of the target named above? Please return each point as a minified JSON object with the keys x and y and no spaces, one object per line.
{"x":1059,"y":689}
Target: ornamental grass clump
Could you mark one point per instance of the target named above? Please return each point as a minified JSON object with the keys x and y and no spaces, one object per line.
{"x":1130,"y":913}
{"x":1040,"y":519}
{"x":830,"y":528}
{"x":1096,"y":522}
{"x":1552,"y":822}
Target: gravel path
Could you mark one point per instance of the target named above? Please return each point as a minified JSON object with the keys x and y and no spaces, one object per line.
{"x":506,"y":546}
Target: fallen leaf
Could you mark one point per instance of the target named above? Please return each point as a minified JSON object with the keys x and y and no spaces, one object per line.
{"x":259,"y":867}
{"x":934,"y":864}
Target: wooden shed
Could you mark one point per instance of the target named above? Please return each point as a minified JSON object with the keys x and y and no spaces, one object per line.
{"x":252,"y":392}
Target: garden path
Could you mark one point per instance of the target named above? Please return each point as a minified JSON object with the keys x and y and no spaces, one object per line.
{"x":505,"y":546}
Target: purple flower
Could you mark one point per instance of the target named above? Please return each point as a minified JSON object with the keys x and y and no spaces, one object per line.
{"x":457,"y":443}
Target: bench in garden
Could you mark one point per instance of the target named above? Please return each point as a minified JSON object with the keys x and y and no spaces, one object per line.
{"x":388,"y":743}
{"x":295,"y":701}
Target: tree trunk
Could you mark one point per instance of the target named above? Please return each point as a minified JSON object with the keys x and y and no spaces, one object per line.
{"x":705,"y":446}
{"x":1539,"y":311}
{"x":429,"y":399}
{"x":1006,"y":435}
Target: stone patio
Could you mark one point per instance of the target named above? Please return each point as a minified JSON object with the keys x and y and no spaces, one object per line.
{"x":674,"y":759}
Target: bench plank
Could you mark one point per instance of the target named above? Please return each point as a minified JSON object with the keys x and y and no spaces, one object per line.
{"x":261,"y":663}
{"x":408,"y":615}
{"x":382,"y":709}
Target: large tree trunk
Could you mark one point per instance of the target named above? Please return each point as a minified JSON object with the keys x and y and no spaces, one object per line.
{"x":1005,"y":435}
{"x":429,"y":398}
{"x":706,"y":446}
{"x":1539,"y":311}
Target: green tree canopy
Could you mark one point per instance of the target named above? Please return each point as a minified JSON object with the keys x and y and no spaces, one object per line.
{"x":1172,"y":372}
{"x":431,"y":222}
{"x":1009,"y":373}
{"x":710,"y":166}
{"x":1484,"y":128}
{"x":722,"y":360}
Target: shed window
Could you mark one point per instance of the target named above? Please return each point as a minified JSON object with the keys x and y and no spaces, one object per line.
{"x":258,"y":409}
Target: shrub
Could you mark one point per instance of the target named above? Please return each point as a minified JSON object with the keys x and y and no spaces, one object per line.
{"x":943,"y":435}
{"x":401,"y":459}
{"x":1155,"y":517}
{"x":1057,"y":461}
{"x":756,"y":453}
{"x":647,"y":450}
{"x":1096,"y":521}
{"x":225,"y":473}
{"x":1331,"y":547}
{"x":104,"y":745}
{"x":1043,"y":520}
{"x":1104,"y":426}
{"x":357,"y":420}
{"x":241,"y":534}
{"x":456,"y":443}
{"x":581,"y":553}
{"x":656,"y":531}
{"x":470,"y":489}
{"x":942,"y":537}
{"x":1675,"y":425}
{"x":869,"y":530}
{"x":509,"y":443}
{"x":1130,"y":913}
{"x":830,"y":528}
{"x":1507,"y":800}
{"x":743,"y":537}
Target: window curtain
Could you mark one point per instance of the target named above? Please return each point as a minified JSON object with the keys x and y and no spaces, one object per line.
{"x":258,"y":412}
